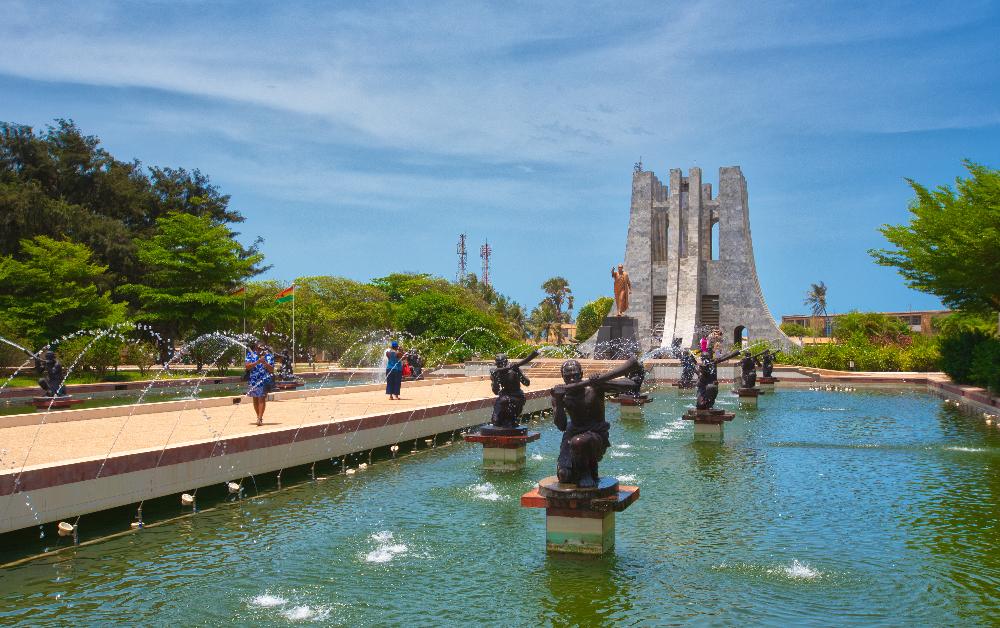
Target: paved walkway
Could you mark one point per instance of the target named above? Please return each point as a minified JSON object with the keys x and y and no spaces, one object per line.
{"x":51,"y":443}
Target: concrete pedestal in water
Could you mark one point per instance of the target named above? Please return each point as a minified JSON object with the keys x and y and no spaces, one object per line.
{"x":748,"y":396}
{"x":503,"y":448}
{"x":580,"y":520}
{"x":767,"y":383}
{"x":708,"y":424}
{"x":62,"y":402}
{"x":631,"y":405}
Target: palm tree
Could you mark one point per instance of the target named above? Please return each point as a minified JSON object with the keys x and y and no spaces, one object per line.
{"x":816,"y":299}
{"x":558,"y":291}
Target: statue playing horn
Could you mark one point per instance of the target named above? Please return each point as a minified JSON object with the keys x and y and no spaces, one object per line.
{"x":622,"y":288}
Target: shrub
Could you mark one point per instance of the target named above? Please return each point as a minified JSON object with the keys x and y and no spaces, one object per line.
{"x":796,"y":330}
{"x":956,"y":353}
{"x":985,"y":364}
{"x":142,"y":354}
{"x":590,"y":317}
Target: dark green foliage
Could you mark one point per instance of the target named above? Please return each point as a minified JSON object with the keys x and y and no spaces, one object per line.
{"x":920,"y":354}
{"x":872,"y":326}
{"x":985,"y":369}
{"x":61,"y":183}
{"x":590,"y":317}
{"x":797,"y":331}
{"x":957,"y":351}
{"x":192,"y":264}
{"x":54,"y":289}
{"x":950,"y":246}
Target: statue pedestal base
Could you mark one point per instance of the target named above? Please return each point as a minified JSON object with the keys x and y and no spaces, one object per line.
{"x":748,"y":396}
{"x":631,"y":406}
{"x":288,"y":385}
{"x":503,"y":448}
{"x":767,"y":383}
{"x":580,"y":520}
{"x":682,"y":387}
{"x":614,"y":338}
{"x":61,"y":402}
{"x":708,"y":424}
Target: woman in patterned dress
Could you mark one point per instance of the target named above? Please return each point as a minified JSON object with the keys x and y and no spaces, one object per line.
{"x":259,"y":365}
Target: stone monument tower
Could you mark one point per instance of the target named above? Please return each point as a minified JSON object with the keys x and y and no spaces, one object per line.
{"x":678,"y":287}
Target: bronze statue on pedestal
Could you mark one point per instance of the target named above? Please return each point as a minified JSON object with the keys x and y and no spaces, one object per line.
{"x":623,"y":287}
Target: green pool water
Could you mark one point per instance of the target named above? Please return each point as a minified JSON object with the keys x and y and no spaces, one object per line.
{"x":820,"y":508}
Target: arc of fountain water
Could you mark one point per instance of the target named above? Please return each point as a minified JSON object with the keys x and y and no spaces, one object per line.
{"x":178,"y":355}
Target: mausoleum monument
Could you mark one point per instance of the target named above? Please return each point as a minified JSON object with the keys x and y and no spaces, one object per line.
{"x":678,"y":286}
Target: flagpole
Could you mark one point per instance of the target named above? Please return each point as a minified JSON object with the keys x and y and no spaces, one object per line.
{"x":293,"y":327}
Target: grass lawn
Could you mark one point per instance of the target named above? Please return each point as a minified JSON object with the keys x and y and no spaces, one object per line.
{"x":29,"y":378}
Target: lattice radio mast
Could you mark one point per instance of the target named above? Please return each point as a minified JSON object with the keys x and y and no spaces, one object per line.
{"x":463,"y":258}
{"x":484,"y":252}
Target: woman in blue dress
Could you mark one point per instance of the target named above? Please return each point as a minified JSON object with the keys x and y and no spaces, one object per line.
{"x":393,"y":370}
{"x":259,"y":365}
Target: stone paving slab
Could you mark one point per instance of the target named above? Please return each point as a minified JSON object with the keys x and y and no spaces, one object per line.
{"x":60,"y":443}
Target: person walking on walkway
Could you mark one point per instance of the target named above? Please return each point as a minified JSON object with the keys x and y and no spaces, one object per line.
{"x":259,"y":366}
{"x":393,"y":370}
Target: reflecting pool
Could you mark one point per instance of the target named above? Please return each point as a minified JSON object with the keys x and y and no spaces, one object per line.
{"x":821,"y":507}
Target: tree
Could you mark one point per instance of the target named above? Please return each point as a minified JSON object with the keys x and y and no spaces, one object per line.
{"x":816,"y":300}
{"x":542,"y":320}
{"x":590,"y":317}
{"x":193,"y":264}
{"x":559,"y":293}
{"x":63,"y":184}
{"x":949,"y":247}
{"x":54,"y":290}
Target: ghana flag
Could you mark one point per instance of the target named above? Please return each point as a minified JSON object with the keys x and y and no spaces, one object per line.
{"x":288,"y":294}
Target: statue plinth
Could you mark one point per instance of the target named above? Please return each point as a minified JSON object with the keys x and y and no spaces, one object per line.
{"x":503,"y":447}
{"x":61,"y":402}
{"x":631,"y":405}
{"x":748,"y":396}
{"x":708,"y":424}
{"x":614,"y":334}
{"x":289,"y":384}
{"x":767,"y":383}
{"x":580,"y":520}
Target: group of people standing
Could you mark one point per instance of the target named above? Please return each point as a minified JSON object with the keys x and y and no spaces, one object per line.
{"x":711,"y":343}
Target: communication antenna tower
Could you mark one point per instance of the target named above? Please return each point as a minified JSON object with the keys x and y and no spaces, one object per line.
{"x":463,"y":258}
{"x":484,"y":252}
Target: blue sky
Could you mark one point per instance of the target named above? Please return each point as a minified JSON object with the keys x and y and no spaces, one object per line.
{"x":361,"y":139}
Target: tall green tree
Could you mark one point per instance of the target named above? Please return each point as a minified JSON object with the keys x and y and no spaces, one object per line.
{"x":61,"y":183}
{"x":558,"y":294}
{"x":816,"y":301}
{"x":55,"y":289}
{"x":950,"y":246}
{"x":193,"y":263}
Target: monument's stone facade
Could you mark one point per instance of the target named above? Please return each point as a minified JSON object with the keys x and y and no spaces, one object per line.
{"x":678,"y":289}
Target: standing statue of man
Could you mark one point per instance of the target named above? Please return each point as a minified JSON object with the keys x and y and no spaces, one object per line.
{"x":623,"y":286}
{"x":506,"y":381}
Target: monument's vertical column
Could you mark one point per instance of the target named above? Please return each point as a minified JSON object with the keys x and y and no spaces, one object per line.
{"x":675,"y":218}
{"x":741,"y":302}
{"x":689,"y":269}
{"x":638,"y":252}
